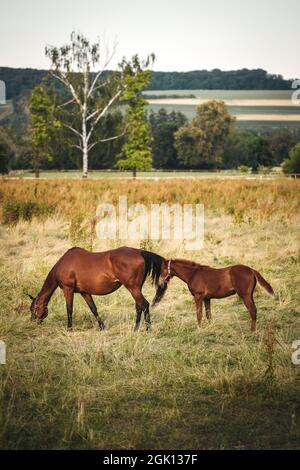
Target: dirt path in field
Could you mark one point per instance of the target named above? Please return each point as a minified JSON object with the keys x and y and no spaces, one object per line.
{"x":197,"y":101}
{"x":267,"y":117}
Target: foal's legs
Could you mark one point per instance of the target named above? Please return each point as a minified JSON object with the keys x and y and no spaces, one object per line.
{"x":142,"y":305}
{"x":89,"y":300}
{"x":198,"y":301}
{"x":207,"y":308}
{"x":69,"y":295}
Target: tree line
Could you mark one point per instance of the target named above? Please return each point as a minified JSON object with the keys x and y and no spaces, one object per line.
{"x":76,"y":116}
{"x":243,"y":79}
{"x":22,"y":81}
{"x":173,"y":141}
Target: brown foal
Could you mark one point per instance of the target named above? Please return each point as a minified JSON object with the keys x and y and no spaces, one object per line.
{"x":207,"y":283}
{"x":86,"y":273}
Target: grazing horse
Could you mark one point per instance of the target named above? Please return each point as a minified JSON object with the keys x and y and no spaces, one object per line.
{"x":86,"y":273}
{"x":207,"y":283}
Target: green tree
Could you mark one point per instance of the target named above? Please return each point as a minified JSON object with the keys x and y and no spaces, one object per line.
{"x":200,"y":143}
{"x":244,"y":147}
{"x":136,"y":153}
{"x":163,"y":127}
{"x":292,"y":164}
{"x":281,"y":142}
{"x":42,"y":126}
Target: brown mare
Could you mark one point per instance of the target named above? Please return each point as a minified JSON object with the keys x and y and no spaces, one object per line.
{"x":207,"y":283}
{"x":86,"y":273}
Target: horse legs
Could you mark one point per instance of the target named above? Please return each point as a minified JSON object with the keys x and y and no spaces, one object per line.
{"x":139,"y":312}
{"x":207,"y":309}
{"x":69,"y":296}
{"x":89,"y":300}
{"x":142,"y":305}
{"x":147,"y":314}
{"x":198,"y":301}
{"x":249,"y":303}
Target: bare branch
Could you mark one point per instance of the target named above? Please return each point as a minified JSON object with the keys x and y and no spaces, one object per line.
{"x":92,"y":114}
{"x":105,"y":140}
{"x":66,"y":103}
{"x":98,"y":75}
{"x":111,"y":101}
{"x":73,"y":130}
{"x":62,"y":77}
{"x":103,"y":84}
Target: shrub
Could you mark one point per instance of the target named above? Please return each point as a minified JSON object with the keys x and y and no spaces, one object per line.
{"x":264,"y":170}
{"x":244,"y":168}
{"x":292,"y":164}
{"x":14,"y":210}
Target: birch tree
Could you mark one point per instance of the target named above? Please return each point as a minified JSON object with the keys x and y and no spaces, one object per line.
{"x":91,"y":92}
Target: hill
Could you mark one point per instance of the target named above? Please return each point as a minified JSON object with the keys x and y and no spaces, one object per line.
{"x":21,"y":81}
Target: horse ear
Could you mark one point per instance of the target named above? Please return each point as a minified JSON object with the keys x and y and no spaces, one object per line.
{"x":31,"y":297}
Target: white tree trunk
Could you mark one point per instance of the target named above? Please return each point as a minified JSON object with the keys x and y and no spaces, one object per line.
{"x":85,"y":150}
{"x":85,"y":161}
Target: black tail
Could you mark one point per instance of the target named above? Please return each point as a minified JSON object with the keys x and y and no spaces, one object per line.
{"x":160,"y":292}
{"x":153,"y":264}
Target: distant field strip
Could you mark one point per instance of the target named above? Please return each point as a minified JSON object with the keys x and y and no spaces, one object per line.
{"x":265,"y":107}
{"x":228,"y":94}
{"x":268,"y":117}
{"x":239,"y":102}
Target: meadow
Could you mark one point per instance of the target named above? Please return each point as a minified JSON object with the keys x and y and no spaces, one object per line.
{"x":275,"y":172}
{"x":176,"y":387}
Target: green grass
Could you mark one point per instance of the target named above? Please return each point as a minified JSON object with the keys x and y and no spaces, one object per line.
{"x":176,"y":387}
{"x":111,"y":174}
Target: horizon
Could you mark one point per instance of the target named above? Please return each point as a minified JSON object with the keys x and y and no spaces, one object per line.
{"x":163,"y":71}
{"x":227,"y":35}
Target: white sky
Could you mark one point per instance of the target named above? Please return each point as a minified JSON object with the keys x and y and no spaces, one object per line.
{"x":184,"y":35}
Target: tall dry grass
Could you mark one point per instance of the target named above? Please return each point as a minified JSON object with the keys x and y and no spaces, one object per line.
{"x":245,"y":200}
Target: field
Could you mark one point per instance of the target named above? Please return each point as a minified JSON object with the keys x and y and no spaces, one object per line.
{"x":264,"y":107}
{"x":276,"y":172}
{"x":176,"y":387}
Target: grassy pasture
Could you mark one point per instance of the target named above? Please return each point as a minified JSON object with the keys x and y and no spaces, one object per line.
{"x":176,"y":387}
{"x":153,"y":175}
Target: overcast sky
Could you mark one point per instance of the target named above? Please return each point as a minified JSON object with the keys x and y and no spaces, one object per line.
{"x":184,"y":35}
